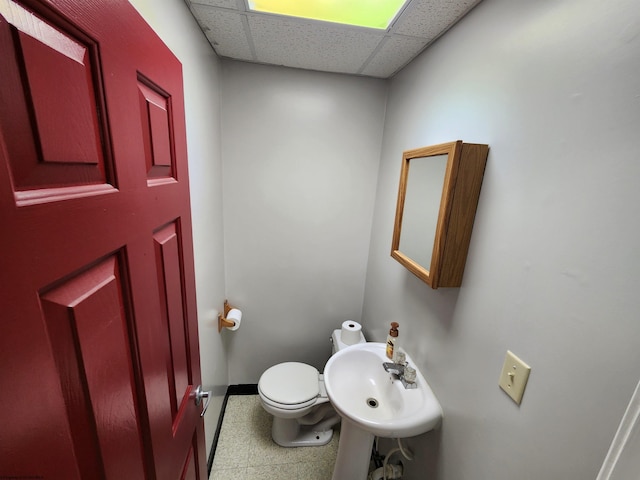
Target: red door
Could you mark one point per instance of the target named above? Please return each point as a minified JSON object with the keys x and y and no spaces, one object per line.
{"x":99,"y":351}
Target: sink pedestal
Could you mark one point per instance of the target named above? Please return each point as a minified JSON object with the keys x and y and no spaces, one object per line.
{"x":354,"y":452}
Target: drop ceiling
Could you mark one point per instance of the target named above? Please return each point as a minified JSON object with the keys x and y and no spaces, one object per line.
{"x":236,"y":32}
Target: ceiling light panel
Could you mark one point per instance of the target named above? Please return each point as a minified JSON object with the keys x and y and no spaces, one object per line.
{"x":363,"y":13}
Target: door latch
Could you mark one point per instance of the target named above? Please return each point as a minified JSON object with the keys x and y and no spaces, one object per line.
{"x":199,"y":395}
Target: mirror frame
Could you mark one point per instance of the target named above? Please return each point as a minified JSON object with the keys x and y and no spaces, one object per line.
{"x":458,"y":203}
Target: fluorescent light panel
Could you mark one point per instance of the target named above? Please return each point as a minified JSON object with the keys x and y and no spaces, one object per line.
{"x":363,"y":13}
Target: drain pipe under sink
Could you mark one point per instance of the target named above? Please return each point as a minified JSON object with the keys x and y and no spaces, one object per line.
{"x":391,"y":471}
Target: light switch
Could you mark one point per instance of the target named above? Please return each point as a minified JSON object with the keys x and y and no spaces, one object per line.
{"x":514,"y":376}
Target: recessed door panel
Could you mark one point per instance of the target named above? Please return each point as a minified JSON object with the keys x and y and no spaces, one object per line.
{"x":60,"y":83}
{"x":189,"y":470}
{"x":155,"y":112}
{"x":55,"y":124}
{"x":90,"y":333}
{"x":170,"y":287}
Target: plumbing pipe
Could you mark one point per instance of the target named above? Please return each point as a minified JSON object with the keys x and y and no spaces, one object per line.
{"x":391,"y":472}
{"x":408,"y":454}
{"x":386,"y":459}
{"x":377,"y":474}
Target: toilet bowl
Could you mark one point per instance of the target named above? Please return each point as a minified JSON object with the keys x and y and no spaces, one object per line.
{"x":294,"y":394}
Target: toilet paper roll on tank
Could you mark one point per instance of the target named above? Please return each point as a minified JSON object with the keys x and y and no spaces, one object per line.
{"x":349,"y":334}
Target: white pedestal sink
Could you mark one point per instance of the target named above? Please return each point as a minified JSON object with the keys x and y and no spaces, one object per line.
{"x":373,"y":403}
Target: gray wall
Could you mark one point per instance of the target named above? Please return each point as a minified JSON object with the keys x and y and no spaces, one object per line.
{"x":300,"y":155}
{"x":173,"y":22}
{"x":553,"y":88}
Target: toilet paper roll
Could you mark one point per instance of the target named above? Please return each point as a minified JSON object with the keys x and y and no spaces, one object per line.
{"x":235,"y":316}
{"x":350,"y":333}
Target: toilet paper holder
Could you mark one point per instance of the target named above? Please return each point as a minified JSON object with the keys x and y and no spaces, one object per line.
{"x":222,"y":318}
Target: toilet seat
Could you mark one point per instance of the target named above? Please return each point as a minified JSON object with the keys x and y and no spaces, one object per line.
{"x":290,"y":385}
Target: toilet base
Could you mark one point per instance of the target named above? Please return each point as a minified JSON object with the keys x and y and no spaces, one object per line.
{"x":287,"y":432}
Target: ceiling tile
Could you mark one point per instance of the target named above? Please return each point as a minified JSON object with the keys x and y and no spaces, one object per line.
{"x":393,"y":55}
{"x":225,"y":31}
{"x":217,"y":3}
{"x":311,"y":45}
{"x":429,"y":18}
{"x":274,"y":39}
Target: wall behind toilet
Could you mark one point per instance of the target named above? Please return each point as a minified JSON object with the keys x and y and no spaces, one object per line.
{"x":300,"y":162}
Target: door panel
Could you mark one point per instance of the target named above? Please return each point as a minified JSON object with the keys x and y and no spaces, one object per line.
{"x":190,"y":466}
{"x":155,"y":108}
{"x":98,"y":328}
{"x":52,"y":78}
{"x":169,"y":270}
{"x":89,"y":330}
{"x":61,"y":61}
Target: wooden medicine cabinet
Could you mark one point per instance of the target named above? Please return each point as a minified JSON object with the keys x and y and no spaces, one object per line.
{"x":437,"y":201}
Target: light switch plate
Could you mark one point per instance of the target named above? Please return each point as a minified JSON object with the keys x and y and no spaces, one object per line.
{"x":514,"y":376}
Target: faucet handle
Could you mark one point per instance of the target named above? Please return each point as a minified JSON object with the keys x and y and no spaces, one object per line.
{"x":410,"y":374}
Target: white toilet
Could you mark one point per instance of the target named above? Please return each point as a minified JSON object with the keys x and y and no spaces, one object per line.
{"x":294,"y":394}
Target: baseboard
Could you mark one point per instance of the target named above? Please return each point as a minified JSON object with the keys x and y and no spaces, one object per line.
{"x":245,"y":389}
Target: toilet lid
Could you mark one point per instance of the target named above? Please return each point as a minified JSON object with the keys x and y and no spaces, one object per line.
{"x":290,"y":383}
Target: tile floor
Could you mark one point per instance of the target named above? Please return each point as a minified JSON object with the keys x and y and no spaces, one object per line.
{"x":245,"y":450}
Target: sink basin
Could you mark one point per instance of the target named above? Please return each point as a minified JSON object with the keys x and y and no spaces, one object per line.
{"x":363,"y":392}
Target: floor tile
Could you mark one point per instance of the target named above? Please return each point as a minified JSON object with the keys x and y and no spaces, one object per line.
{"x":232,"y":450}
{"x":281,"y":472}
{"x":315,"y":471}
{"x":246,"y":451}
{"x":229,"y":474}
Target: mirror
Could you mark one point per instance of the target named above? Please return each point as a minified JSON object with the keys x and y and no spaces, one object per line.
{"x":421,"y":206}
{"x":437,"y":200}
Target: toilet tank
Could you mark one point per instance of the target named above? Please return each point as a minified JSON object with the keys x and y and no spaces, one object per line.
{"x":337,"y":344}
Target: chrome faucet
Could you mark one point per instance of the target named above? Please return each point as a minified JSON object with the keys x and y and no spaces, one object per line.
{"x":394,"y":368}
{"x":398,"y":371}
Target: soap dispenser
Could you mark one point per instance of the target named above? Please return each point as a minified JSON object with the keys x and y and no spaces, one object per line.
{"x":392,"y":340}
